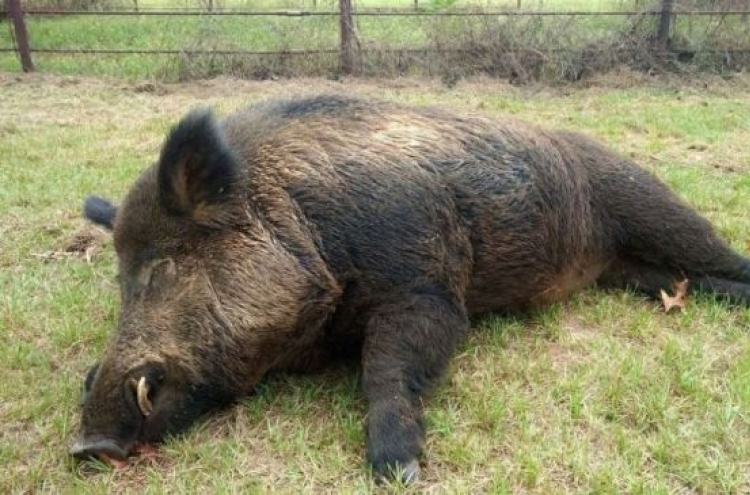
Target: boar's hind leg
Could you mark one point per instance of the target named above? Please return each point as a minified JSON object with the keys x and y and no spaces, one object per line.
{"x":407,"y":347}
{"x":659,"y":239}
{"x":649,"y":280}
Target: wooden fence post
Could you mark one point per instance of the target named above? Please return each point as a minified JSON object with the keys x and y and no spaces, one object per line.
{"x":665,"y":22}
{"x":22,"y":36}
{"x":347,"y":36}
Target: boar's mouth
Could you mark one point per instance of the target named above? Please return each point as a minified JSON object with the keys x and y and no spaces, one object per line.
{"x":101,"y":447}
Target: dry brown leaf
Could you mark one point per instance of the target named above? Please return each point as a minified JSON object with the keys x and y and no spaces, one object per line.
{"x":679,"y":299}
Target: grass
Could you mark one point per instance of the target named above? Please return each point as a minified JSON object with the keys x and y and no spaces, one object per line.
{"x":601,"y":394}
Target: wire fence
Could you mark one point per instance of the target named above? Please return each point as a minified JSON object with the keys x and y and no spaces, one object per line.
{"x":519,"y":39}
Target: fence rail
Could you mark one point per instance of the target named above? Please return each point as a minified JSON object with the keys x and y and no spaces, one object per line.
{"x":383,"y":13}
{"x":332,"y":51}
{"x":664,"y":11}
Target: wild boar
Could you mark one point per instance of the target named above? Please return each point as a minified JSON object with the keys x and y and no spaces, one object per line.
{"x":267,"y":240}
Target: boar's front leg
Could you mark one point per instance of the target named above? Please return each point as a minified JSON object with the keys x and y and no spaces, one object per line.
{"x":407,"y":346}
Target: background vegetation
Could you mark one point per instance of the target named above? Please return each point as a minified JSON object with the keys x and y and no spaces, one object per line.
{"x":521,"y":49}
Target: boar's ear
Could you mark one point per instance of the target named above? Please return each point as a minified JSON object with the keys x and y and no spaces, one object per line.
{"x":197,"y":169}
{"x":100,"y":211}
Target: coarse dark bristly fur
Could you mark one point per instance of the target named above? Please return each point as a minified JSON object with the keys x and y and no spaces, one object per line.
{"x":290,"y":229}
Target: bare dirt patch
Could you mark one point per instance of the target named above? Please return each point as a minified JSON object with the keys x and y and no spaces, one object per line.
{"x":85,"y":243}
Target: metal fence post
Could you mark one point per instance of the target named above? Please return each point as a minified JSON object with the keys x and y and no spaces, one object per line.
{"x":22,"y":37}
{"x":347,"y":36}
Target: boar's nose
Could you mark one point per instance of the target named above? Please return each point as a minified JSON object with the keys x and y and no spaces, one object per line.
{"x":86,"y":448}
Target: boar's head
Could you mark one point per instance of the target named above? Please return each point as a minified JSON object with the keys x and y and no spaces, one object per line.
{"x":211,"y":298}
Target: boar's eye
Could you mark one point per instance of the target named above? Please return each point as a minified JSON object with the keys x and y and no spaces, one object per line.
{"x":155,"y":271}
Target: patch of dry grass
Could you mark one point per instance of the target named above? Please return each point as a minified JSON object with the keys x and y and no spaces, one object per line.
{"x":601,"y":394}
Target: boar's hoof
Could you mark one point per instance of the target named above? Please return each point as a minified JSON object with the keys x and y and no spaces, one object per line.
{"x":411,"y":472}
{"x":407,"y":475}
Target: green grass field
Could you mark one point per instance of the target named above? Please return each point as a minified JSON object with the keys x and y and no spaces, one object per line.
{"x":601,"y":394}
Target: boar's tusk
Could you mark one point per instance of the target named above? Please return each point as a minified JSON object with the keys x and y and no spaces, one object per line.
{"x":142,"y":395}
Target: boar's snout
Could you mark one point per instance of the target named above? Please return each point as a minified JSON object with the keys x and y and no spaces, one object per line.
{"x":96,"y":446}
{"x":117,"y":410}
